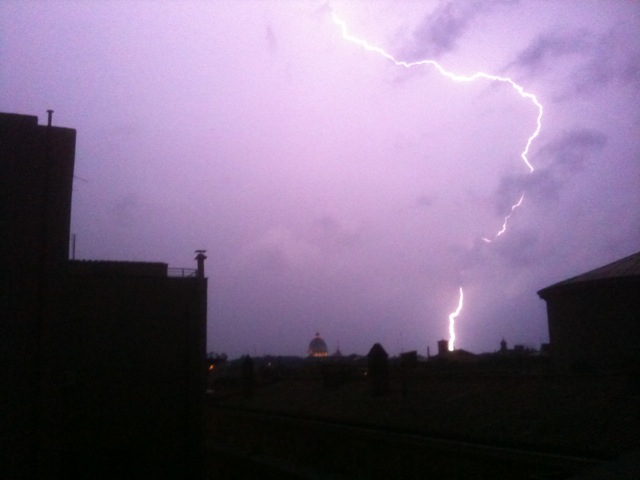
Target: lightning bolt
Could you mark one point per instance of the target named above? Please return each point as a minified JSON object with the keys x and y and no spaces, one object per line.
{"x":458,"y":78}
{"x":452,"y":322}
{"x":506,"y":219}
{"x":455,"y":77}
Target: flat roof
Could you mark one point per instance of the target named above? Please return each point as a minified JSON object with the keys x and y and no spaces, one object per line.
{"x":110,"y":267}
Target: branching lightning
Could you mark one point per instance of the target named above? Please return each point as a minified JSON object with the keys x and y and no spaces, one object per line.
{"x":455,"y":77}
{"x":458,"y":78}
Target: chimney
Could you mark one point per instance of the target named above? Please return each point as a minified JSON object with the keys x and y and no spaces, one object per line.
{"x":200,"y":257}
{"x":443,"y":347}
{"x":50,"y":116}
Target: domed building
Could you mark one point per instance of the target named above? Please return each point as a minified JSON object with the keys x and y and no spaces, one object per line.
{"x":318,"y":347}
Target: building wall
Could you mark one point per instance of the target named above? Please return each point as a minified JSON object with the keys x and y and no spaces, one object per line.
{"x":595,"y":324}
{"x":124,"y":376}
{"x":36,"y":175}
{"x":101,"y":363}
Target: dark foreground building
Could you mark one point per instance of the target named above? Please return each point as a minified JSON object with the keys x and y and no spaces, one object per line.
{"x":594,"y":318}
{"x":102,"y":363}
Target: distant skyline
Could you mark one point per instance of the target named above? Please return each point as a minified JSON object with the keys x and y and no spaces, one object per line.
{"x":334,"y":191}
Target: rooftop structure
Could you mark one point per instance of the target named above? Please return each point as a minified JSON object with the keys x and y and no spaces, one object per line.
{"x":594,"y":317}
{"x":621,"y":271}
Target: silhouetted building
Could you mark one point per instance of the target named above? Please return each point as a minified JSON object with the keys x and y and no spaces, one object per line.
{"x":36,"y":174}
{"x":318,"y":347}
{"x":103,"y":363}
{"x":409,"y":359}
{"x":594,"y":318}
{"x":378,"y":370}
{"x":247,"y":376}
{"x":457,"y":355}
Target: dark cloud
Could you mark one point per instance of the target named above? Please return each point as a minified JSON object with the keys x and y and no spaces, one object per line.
{"x":549,"y":46}
{"x":610,"y":59}
{"x":540,"y":183}
{"x":574,"y":147}
{"x":592,"y":60}
{"x":563,"y":157}
{"x":518,"y":249}
{"x":440,"y":30}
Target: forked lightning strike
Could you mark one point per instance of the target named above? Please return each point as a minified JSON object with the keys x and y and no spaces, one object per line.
{"x":458,"y":78}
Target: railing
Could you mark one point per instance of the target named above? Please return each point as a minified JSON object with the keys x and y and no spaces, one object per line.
{"x":181,"y":272}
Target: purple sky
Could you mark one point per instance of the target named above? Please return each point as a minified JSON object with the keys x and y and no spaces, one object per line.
{"x":335,"y":191}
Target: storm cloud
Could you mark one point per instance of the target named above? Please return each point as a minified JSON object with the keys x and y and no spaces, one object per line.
{"x":441,"y":30}
{"x":588,"y":60}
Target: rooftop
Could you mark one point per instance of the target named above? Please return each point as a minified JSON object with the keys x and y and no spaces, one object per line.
{"x":625,"y":268}
{"x":18,"y":119}
{"x":137,"y":269}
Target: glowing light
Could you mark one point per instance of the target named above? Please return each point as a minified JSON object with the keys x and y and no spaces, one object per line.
{"x":452,"y":322}
{"x":506,"y":219}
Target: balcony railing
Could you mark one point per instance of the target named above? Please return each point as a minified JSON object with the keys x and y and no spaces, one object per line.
{"x":181,"y":272}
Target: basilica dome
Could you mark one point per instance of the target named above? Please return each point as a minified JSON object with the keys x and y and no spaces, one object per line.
{"x":317,"y":347}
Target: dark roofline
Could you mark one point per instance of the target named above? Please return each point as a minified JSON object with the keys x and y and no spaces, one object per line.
{"x":21,"y":121}
{"x":117,"y":267}
{"x":621,"y":271}
{"x":18,"y":119}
